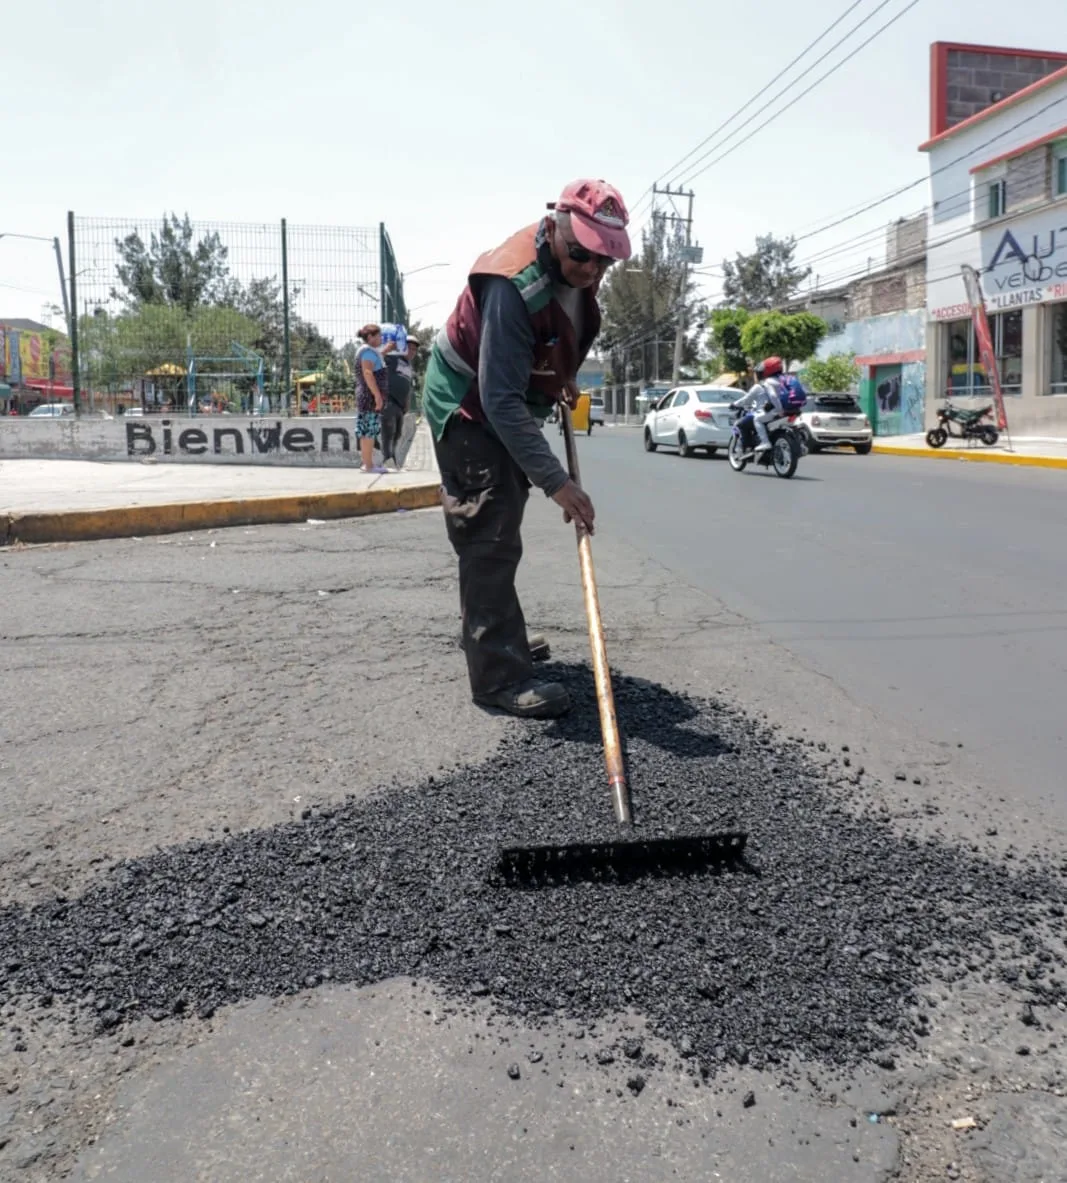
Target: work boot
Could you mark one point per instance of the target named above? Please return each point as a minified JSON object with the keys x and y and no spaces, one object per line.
{"x":529,"y":700}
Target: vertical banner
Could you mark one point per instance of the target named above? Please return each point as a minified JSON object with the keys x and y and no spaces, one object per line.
{"x":985,"y":341}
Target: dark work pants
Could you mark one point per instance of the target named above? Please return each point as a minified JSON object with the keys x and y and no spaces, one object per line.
{"x":392,"y":428}
{"x":484,"y":494}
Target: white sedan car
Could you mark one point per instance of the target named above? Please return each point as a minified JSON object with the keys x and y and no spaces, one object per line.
{"x":691,"y":417}
{"x":52,"y":411}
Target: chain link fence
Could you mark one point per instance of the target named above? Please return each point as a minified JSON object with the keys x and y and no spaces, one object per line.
{"x":184,"y":317}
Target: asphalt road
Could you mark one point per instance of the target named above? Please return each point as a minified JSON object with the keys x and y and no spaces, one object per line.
{"x":183,"y":689}
{"x":931,"y":593}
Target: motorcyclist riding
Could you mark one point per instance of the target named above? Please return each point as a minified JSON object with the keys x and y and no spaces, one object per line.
{"x":765,"y":398}
{"x":762,"y":403}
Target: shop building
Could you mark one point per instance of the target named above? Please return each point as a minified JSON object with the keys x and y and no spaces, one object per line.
{"x":998,"y":176}
{"x":880,"y":318}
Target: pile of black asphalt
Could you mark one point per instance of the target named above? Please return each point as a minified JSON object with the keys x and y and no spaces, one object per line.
{"x":819,"y":947}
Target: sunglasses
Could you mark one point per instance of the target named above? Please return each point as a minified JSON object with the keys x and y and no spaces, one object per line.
{"x":578,"y":254}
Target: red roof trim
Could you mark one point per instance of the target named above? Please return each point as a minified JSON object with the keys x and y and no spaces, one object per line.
{"x":938,"y":87}
{"x":1060,"y":134}
{"x":891,"y":359}
{"x":1003,"y":105}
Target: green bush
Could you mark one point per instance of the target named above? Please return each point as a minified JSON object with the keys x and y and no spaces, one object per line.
{"x":838,"y":372}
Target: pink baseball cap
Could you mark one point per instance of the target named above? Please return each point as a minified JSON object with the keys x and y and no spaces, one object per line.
{"x":598,"y":217}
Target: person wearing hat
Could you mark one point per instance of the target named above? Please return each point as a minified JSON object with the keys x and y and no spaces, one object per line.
{"x":509,"y":353}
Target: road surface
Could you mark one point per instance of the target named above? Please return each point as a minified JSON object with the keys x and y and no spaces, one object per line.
{"x":200,"y":692}
{"x":932,"y":593}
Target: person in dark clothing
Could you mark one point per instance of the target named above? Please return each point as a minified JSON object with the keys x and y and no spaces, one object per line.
{"x":508,"y":355}
{"x":397,"y":400}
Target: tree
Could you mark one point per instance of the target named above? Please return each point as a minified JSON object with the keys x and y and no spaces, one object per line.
{"x":725,"y":340}
{"x":338,"y":378}
{"x":641,"y":300}
{"x":777,"y":334}
{"x":765,"y":279}
{"x":424,"y":334}
{"x":838,"y":372}
{"x":172,"y":269}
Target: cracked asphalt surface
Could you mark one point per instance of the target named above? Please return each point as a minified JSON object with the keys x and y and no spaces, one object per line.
{"x":211,"y":688}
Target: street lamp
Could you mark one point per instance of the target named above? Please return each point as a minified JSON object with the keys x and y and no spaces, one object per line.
{"x":59,"y":263}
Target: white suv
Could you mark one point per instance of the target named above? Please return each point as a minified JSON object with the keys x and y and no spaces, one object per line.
{"x":596,"y":411}
{"x":831,"y":419}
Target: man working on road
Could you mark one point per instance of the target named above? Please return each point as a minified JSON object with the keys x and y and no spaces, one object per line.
{"x":397,"y":400}
{"x":510,"y":351}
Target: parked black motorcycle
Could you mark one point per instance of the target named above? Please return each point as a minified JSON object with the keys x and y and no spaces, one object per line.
{"x":960,"y":424}
{"x":784,"y":453}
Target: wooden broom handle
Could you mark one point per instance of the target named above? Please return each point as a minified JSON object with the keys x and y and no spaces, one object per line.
{"x":605,"y":699}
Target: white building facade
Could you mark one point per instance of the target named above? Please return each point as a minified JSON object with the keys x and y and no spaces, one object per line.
{"x":998,"y":183}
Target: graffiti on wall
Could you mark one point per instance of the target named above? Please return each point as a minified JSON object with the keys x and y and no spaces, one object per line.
{"x":893,"y":392}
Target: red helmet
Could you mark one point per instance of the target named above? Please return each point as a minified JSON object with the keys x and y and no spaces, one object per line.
{"x":770,"y":367}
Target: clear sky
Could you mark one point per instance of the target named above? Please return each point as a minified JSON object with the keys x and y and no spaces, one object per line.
{"x":454,"y":123}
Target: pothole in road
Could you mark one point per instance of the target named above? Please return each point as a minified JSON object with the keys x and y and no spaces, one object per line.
{"x":820,"y":950}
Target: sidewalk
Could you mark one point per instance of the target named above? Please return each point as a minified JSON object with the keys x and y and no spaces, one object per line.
{"x":74,"y":500}
{"x":1029,"y":450}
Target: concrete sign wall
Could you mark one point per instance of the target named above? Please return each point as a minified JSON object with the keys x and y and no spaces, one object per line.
{"x":210,"y":439}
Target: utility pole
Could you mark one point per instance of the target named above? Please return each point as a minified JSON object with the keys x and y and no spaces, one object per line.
{"x":690,"y":255}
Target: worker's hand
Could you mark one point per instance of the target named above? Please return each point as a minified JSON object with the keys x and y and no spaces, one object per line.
{"x":570,"y":394}
{"x":576,"y":505}
{"x":378,"y":403}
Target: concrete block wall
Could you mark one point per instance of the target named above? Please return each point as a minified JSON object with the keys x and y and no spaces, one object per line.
{"x":976,"y":81}
{"x":312,"y":441}
{"x":1028,"y":177}
{"x":894,"y":291}
{"x":906,"y":239}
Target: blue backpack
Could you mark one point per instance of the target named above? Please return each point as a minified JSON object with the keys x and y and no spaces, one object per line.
{"x":793,"y":396}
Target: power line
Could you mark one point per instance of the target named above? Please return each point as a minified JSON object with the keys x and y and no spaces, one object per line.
{"x":775,"y":80}
{"x":690,"y":176}
{"x":933,"y":173}
{"x":944,"y":240}
{"x":947,"y":206}
{"x":783,"y":91}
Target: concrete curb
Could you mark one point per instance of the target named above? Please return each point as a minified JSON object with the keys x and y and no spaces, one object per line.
{"x":984,"y":457}
{"x":82,"y":525}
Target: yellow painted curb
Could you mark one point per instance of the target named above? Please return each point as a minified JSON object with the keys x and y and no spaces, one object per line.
{"x":978,"y":457}
{"x":83,"y":525}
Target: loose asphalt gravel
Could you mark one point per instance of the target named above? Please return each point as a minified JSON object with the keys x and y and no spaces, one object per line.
{"x":819,"y":948}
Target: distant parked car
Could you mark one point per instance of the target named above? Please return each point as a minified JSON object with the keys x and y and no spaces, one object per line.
{"x":691,"y":417}
{"x":52,"y":411}
{"x":648,"y":397}
{"x":831,"y":419}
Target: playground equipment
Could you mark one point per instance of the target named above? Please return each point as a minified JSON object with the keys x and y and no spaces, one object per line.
{"x":250,"y":366}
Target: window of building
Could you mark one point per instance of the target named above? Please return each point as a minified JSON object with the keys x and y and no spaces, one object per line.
{"x":1058,"y":317}
{"x":998,"y":197}
{"x":966,"y":376}
{"x":1059,"y":168}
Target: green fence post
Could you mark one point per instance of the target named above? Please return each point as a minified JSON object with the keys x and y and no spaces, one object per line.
{"x":286,"y":359}
{"x":74,"y":369}
{"x":382,"y":273}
